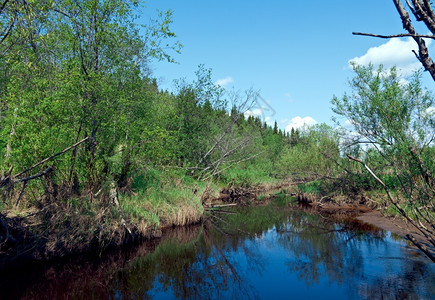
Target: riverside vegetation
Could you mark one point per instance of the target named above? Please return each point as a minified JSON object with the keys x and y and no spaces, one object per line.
{"x":94,"y":155}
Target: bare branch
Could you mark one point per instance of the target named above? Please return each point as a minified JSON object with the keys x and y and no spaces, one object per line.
{"x":423,"y":53}
{"x":50,"y":157}
{"x":420,"y":13}
{"x":21,"y":194}
{"x":429,"y":9}
{"x":429,"y":36}
{"x":49,"y":169}
{"x":421,"y":247}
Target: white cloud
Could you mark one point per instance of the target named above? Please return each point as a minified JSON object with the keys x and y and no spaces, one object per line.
{"x":269,"y":121}
{"x":395,"y":52}
{"x":224,"y":81}
{"x":298,"y":122}
{"x":258,"y":112}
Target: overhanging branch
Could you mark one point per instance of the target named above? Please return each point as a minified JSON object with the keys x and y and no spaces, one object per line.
{"x":428,"y":36}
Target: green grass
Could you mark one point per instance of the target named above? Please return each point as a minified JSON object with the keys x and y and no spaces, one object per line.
{"x":310,"y":187}
{"x":246,"y":175}
{"x":164,"y":198}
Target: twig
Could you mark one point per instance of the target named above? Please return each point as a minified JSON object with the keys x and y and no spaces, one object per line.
{"x":429,"y":36}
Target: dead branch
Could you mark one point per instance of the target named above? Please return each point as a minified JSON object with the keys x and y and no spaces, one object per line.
{"x":428,"y":36}
{"x":422,"y":10}
{"x":216,"y":172}
{"x":25,"y":179}
{"x":21,"y":193}
{"x":52,"y":156}
{"x":423,"y":54}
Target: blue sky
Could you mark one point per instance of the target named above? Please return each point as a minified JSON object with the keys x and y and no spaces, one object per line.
{"x":295,"y":52}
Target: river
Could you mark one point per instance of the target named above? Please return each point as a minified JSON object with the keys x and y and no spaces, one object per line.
{"x":269,"y":252}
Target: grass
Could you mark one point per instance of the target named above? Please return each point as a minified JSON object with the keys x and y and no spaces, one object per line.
{"x":249,"y":175}
{"x":311,"y":187}
{"x":164,"y":199}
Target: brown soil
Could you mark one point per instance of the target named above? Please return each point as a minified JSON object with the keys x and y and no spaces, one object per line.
{"x":368,"y":215}
{"x":396,"y":225}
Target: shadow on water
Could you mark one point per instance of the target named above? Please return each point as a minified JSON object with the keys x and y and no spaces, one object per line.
{"x":260,"y":252}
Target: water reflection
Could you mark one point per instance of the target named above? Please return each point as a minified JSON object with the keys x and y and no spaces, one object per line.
{"x":260,"y":252}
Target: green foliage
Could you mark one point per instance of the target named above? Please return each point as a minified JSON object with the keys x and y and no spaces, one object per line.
{"x":386,"y":111}
{"x":396,"y":120}
{"x":250,"y":173}
{"x":316,"y":152}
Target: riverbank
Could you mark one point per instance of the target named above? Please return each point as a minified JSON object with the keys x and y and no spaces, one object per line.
{"x":256,"y":251}
{"x":397,"y":226}
{"x":97,"y":223}
{"x":84,"y":227}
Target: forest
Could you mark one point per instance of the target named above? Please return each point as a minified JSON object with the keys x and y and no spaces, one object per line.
{"x":94,"y":154}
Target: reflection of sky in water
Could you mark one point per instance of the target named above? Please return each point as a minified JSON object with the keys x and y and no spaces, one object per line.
{"x":300,"y":257}
{"x":383,"y":270}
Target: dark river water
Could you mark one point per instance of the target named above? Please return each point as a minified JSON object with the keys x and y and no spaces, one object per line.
{"x":260,"y":253}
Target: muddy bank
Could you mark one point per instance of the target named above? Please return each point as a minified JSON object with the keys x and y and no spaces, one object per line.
{"x":361,"y":212}
{"x":362,"y":209}
{"x":397,"y":226}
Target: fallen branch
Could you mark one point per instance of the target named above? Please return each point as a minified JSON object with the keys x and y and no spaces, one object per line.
{"x":25,"y":179}
{"x":21,"y":194}
{"x":223,"y":205}
{"x":52,"y":156}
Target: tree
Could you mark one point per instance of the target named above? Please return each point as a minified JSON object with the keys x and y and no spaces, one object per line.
{"x":312,"y":152}
{"x":397,"y":120}
{"x":423,"y":12}
{"x":74,"y":69}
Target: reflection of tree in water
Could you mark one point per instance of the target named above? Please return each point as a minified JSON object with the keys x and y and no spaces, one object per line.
{"x":322,"y":249}
{"x":202,"y":268}
{"x":414,"y":281}
{"x":213,"y":265}
{"x":218,"y":258}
